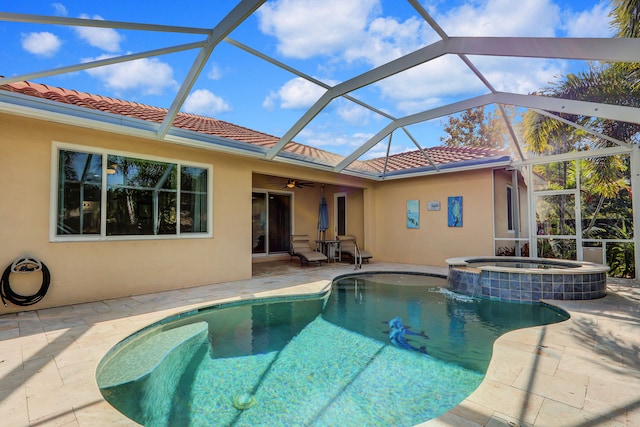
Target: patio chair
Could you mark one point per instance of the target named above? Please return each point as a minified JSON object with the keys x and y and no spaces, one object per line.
{"x":301,"y":248}
{"x":348,"y":246}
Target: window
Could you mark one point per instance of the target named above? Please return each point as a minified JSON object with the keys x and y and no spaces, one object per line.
{"x":109,"y":195}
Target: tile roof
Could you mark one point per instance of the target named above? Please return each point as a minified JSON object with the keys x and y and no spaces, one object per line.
{"x":220,"y":128}
{"x":192,"y":122}
{"x":438,"y":155}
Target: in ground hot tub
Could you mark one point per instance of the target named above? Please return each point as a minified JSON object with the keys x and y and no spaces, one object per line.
{"x":527,"y":279}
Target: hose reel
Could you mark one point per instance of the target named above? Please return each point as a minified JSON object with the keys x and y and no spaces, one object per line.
{"x":21,"y":266}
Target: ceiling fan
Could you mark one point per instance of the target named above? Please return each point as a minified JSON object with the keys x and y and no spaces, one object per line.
{"x":292,"y":183}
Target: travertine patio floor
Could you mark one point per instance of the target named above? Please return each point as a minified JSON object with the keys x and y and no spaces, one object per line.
{"x":582,"y":372}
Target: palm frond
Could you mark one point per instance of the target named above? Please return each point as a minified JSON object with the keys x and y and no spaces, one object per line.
{"x":625,"y":18}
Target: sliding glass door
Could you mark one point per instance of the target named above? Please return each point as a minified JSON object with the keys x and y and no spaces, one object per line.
{"x":271,"y":222}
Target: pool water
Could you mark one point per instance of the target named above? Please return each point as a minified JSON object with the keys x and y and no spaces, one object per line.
{"x":334,"y":359}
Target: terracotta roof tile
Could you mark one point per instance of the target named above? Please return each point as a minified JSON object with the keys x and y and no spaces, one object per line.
{"x":212,"y":126}
{"x":438,"y":155}
{"x":193,"y":122}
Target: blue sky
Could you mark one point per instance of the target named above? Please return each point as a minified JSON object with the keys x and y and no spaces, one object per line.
{"x":331,"y":41}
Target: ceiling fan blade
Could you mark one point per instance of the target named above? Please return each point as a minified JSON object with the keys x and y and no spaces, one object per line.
{"x":294,"y":183}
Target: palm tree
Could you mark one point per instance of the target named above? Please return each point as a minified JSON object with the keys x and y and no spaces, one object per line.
{"x":604,"y":83}
{"x":625,"y":17}
{"x":603,"y":177}
{"x":616,"y":84}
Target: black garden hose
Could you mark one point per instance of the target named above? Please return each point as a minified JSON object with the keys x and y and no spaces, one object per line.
{"x":6,"y":293}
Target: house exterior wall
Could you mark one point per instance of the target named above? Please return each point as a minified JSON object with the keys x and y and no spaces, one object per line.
{"x":98,"y":270}
{"x":89,"y":271}
{"x":434,"y":241}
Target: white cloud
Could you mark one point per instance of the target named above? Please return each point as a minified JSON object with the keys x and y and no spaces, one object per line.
{"x":204,"y":102}
{"x":294,"y":94}
{"x":354,"y":114}
{"x":323,"y":139}
{"x":41,"y":44}
{"x":520,"y":75}
{"x":309,"y":27}
{"x":425,"y":86}
{"x":106,"y":39}
{"x":416,"y":105}
{"x":380,"y":150}
{"x":532,"y":18}
{"x":387,"y":38}
{"x":353,"y":33}
{"x":270,"y":101}
{"x":60,"y":9}
{"x":149,"y":76}
{"x":590,"y":23}
{"x":215,"y":73}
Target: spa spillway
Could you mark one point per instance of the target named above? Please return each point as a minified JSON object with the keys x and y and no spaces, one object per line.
{"x":527,"y":279}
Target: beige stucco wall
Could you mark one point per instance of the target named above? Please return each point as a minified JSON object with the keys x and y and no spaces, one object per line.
{"x":434,"y":241}
{"x":88,"y":271}
{"x":92,"y":271}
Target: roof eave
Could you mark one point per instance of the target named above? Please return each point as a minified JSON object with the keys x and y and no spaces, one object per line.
{"x":57,"y":112}
{"x":73,"y":115}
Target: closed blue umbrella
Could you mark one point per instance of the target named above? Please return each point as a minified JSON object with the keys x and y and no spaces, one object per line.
{"x":323,"y":218}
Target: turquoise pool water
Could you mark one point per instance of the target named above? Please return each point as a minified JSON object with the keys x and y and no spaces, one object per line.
{"x":358,"y":355}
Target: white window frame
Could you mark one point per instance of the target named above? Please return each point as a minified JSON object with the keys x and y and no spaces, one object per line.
{"x":56,"y":146}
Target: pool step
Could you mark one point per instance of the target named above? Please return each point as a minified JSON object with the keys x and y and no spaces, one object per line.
{"x":135,"y":360}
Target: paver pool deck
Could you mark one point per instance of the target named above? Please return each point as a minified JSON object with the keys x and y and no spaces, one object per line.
{"x":582,"y":372}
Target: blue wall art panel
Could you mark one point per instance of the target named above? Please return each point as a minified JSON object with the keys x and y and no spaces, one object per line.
{"x":413,"y":213}
{"x":455,"y":211}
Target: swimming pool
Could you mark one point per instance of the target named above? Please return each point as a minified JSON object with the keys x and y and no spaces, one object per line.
{"x":355,"y":355}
